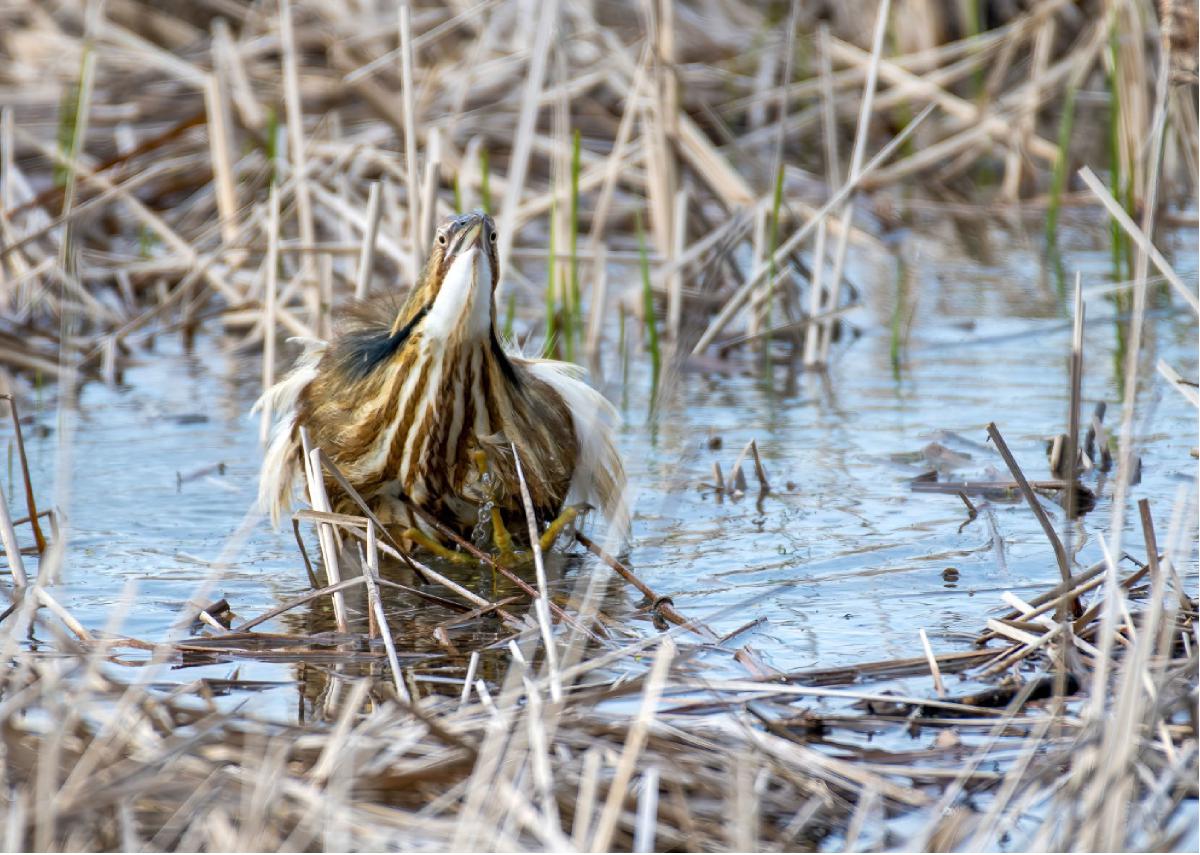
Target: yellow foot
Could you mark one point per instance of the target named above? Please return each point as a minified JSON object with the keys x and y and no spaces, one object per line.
{"x":425,"y":541}
{"x":564,"y":519}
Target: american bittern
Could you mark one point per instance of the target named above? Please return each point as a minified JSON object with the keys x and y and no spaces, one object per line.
{"x":420,"y":404}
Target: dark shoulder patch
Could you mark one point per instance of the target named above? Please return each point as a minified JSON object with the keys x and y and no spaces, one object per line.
{"x":361,"y":350}
{"x":506,"y":366}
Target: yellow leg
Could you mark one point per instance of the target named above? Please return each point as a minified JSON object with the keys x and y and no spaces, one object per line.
{"x":568,"y":516}
{"x":480,"y":463}
{"x":422,"y":539}
{"x":500,"y":536}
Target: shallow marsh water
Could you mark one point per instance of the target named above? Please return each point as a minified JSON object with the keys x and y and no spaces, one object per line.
{"x":842,"y":560}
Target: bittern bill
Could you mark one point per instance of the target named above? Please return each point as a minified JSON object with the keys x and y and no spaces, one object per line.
{"x":419,"y":403}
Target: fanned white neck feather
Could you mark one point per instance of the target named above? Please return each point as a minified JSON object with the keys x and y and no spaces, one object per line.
{"x":465,"y":298}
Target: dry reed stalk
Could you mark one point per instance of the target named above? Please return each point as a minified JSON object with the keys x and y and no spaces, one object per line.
{"x":817,"y":291}
{"x":319,"y":501}
{"x":660,"y":127}
{"x":960,"y":109}
{"x":1146,"y":252}
{"x":345,"y":584}
{"x":1139,"y":238}
{"x":409,"y":101}
{"x":607,"y":821}
{"x":541,"y":604}
{"x":547,"y":20}
{"x":662,"y":605}
{"x":360,"y":221}
{"x":679,"y":217}
{"x":1186,"y":388}
{"x":219,"y":124}
{"x":295,"y":135}
{"x":270,"y":284}
{"x":615,"y":162}
{"x":366,"y":258}
{"x":12,"y":549}
{"x":825,"y":330}
{"x":429,"y":186}
{"x":1060,"y":554}
{"x":371,"y":577}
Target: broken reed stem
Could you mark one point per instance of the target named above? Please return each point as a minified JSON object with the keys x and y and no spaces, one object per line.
{"x":56,"y":608}
{"x":662,"y":605}
{"x":371,"y":576}
{"x":1060,"y":554}
{"x":1179,"y":384}
{"x":30,"y":502}
{"x":429,"y":187}
{"x":1152,"y":554}
{"x":1070,"y":451}
{"x":938,"y":686}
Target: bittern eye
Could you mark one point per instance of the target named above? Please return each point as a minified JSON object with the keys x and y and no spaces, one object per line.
{"x":441,"y":238}
{"x":492,"y":237}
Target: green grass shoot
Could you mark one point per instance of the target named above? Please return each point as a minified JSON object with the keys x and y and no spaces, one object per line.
{"x":550,"y":344}
{"x":574,"y":312}
{"x":650,"y":322}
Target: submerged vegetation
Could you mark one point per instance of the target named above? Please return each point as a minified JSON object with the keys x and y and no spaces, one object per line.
{"x":676,"y":186}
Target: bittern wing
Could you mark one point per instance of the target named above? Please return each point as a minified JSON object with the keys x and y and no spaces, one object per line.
{"x":599,"y":477}
{"x":282,"y":464}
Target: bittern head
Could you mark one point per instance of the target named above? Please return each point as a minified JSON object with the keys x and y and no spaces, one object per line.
{"x":456,"y":290}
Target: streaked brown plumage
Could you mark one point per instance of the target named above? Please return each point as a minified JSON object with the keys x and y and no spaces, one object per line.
{"x":408,"y":397}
